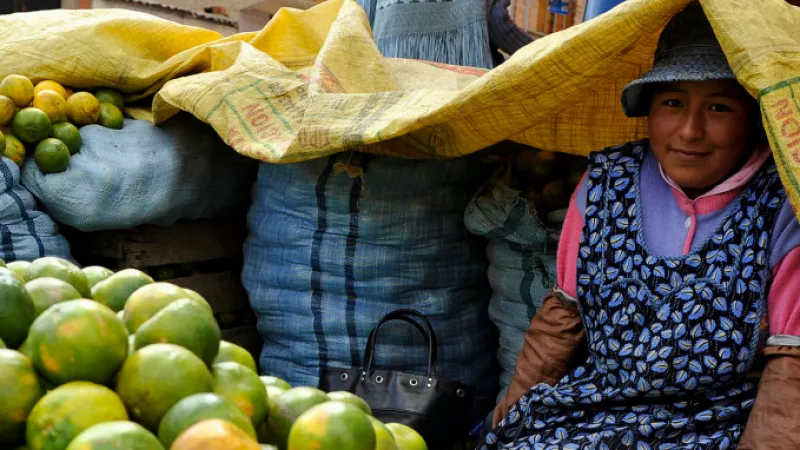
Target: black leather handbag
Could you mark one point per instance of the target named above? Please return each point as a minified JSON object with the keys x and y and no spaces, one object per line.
{"x":438,"y":409}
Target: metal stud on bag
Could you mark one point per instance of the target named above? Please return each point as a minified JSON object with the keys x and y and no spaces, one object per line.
{"x":379,"y":379}
{"x":413,"y":382}
{"x":344,"y":377}
{"x":460,"y":392}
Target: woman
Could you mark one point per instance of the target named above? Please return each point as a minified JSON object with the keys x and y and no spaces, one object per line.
{"x":673,"y":251}
{"x":459,"y":32}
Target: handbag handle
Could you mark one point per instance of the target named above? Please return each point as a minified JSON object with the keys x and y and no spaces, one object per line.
{"x":406,"y":315}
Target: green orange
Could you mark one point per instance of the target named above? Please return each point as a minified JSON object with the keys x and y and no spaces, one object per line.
{"x":193,"y":295}
{"x":197,"y":408}
{"x":16,"y":309}
{"x":269,"y":380}
{"x":78,"y":340}
{"x":51,"y":156}
{"x":155,"y":378}
{"x":332,"y":425}
{"x":32,"y":125}
{"x":384,"y":440}
{"x":183,"y":322}
{"x":116,"y":436}
{"x":105,"y":95}
{"x":19,"y":268}
{"x":347,"y":397}
{"x":115,"y":290}
{"x":47,"y":291}
{"x":287,"y":407}
{"x":146,"y":301}
{"x":21,"y":392}
{"x":241,"y":386}
{"x":69,"y":135}
{"x":65,"y":412}
{"x":96,"y":274}
{"x":62,"y":269}
{"x":111,"y":116}
{"x":234,"y":353}
{"x":406,"y":437}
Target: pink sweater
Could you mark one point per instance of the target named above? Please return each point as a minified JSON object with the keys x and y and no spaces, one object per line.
{"x":678,"y":225}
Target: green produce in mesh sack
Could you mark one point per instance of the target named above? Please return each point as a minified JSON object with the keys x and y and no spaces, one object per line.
{"x":520,"y":211}
{"x":144,"y":174}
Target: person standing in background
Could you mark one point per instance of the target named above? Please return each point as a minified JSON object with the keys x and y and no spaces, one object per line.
{"x":458,"y":32}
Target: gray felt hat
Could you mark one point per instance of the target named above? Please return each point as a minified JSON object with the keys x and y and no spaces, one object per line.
{"x":687,"y":50}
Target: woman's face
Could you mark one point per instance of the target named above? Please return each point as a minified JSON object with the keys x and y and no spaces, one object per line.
{"x":700,"y":131}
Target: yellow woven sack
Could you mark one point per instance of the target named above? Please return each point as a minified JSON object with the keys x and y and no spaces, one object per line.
{"x":312,"y":83}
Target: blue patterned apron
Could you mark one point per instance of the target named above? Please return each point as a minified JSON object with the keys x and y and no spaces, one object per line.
{"x":670,"y":339}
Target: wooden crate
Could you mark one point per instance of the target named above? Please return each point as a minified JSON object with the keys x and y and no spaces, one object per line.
{"x":205,"y":256}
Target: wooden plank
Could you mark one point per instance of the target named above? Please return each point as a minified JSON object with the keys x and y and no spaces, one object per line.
{"x":204,"y":230}
{"x":223,"y":291}
{"x":189,"y":242}
{"x":580,"y":10}
{"x":148,"y":255}
{"x":542,"y":17}
{"x":150,"y":245}
{"x":105,"y":244}
{"x":246,"y":337}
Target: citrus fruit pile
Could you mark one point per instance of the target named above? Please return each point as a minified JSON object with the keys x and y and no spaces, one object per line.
{"x":547,"y":179}
{"x":44,"y":119}
{"x":106,"y":360}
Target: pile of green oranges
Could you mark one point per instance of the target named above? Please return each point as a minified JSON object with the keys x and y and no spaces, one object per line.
{"x":44,"y":118}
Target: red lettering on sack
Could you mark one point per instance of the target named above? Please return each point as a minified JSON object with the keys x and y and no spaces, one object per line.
{"x":789,"y":125}
{"x":317,"y":138}
{"x":784,"y":112}
{"x":259,"y":120}
{"x":234,"y":137}
{"x":790,"y":128}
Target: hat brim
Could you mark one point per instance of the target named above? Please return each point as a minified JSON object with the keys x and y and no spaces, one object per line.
{"x":635,"y":98}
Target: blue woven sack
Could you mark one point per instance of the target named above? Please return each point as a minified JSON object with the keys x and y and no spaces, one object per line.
{"x":522,"y":265}
{"x":26,"y":233}
{"x":336,"y":243}
{"x":144,"y":175}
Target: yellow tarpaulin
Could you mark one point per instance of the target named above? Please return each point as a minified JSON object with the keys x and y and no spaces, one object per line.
{"x":313,"y":83}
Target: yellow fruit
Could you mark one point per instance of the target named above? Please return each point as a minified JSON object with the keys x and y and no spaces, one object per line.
{"x":52,"y":103}
{"x":14,"y":149}
{"x":50,"y":85}
{"x":18,"y":88}
{"x":83,"y":108}
{"x":51,"y":155}
{"x":111,"y":116}
{"x":7,"y":110}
